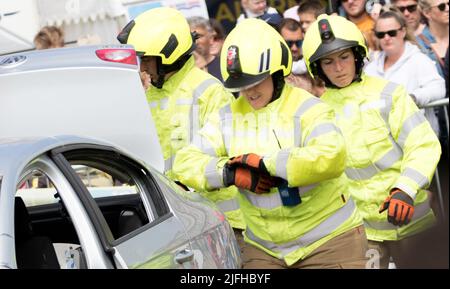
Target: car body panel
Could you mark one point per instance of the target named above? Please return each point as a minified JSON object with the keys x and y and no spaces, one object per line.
{"x":95,"y":255}
{"x":194,"y":230}
{"x":71,"y":91}
{"x":148,"y":249}
{"x":208,"y":238}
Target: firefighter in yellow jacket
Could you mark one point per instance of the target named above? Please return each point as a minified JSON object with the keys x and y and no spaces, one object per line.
{"x":279,"y":145}
{"x":181,"y":96}
{"x":392,"y":151}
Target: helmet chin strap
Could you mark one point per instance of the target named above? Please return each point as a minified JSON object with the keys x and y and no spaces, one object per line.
{"x":159,"y":82}
{"x":278,"y":84}
{"x":162,"y":70}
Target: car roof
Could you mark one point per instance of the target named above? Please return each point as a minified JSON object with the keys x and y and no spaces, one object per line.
{"x":71,"y":91}
{"x":17,"y":152}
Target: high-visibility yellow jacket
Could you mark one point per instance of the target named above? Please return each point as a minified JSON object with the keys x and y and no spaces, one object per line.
{"x":297,"y":136}
{"x":180,"y":108}
{"x":389,"y":145}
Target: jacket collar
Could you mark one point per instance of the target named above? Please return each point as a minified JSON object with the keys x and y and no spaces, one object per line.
{"x":177,"y":78}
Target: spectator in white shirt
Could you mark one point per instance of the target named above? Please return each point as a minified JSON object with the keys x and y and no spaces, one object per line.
{"x":255,"y":8}
{"x":402,"y":62}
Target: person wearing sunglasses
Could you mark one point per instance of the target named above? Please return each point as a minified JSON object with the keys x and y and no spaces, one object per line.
{"x":400,"y":60}
{"x":435,"y":36}
{"x":411,"y":12}
{"x":392,"y":150}
{"x":292,"y":33}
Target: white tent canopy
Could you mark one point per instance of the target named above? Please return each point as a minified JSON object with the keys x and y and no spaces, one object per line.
{"x":83,"y":21}
{"x":68,"y":12}
{"x":84,"y":18}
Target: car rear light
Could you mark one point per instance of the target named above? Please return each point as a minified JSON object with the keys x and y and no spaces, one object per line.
{"x":126,"y":56}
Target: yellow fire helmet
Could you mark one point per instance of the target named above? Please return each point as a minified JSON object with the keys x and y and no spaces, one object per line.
{"x":330,"y":34}
{"x":162,"y":32}
{"x":252,"y":51}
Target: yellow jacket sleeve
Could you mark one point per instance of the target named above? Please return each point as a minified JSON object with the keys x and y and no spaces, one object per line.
{"x":420,"y":145}
{"x":321,"y":154}
{"x":214,"y":98}
{"x":200,"y":164}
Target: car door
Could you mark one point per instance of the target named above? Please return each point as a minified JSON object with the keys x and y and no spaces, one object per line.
{"x":128,"y":209}
{"x":53,"y":210}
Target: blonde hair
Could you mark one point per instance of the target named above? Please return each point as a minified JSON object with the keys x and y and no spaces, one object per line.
{"x":49,"y":37}
{"x":424,"y":5}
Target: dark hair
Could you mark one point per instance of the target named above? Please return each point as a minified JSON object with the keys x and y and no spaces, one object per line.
{"x":290,"y":24}
{"x":391,"y":11}
{"x":219,"y":32}
{"x":359,"y":54}
{"x":311,"y":6}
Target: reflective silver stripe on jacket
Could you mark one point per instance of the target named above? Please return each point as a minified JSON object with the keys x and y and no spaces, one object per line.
{"x":321,"y":129}
{"x":226,"y":122}
{"x":322,"y":230}
{"x":281,"y":163}
{"x":385,"y":162}
{"x":168,"y":163}
{"x":164,"y":103}
{"x":263,"y":201}
{"x":392,"y":156}
{"x":283,"y":155}
{"x":273,"y":200}
{"x":305,"y":106}
{"x":386,"y":95}
{"x":416,"y":176}
{"x":228,"y":205}
{"x":419,"y":212}
{"x":410,"y":123}
{"x":204,"y":144}
{"x":185,"y":101}
{"x":194,"y":116}
{"x":213,"y":177}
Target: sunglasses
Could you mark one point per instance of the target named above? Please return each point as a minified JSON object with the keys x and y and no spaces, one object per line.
{"x":441,"y":6}
{"x":391,"y":33}
{"x":411,"y":8}
{"x":298,"y":43}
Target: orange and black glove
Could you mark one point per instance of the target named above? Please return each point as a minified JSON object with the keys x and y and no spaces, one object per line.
{"x":248,"y":179}
{"x":251,"y":160}
{"x":400,"y":207}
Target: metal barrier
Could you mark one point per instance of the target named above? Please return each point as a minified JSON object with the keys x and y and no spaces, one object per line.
{"x":441,"y":102}
{"x":444,"y":103}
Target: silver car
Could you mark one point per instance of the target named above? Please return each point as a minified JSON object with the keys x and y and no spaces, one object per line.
{"x":98,"y":199}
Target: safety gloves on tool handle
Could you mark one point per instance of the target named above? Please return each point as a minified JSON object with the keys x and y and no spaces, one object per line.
{"x":400,"y":207}
{"x":248,"y":172}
